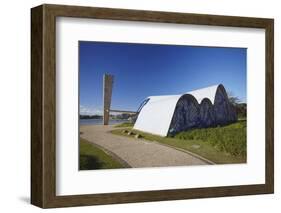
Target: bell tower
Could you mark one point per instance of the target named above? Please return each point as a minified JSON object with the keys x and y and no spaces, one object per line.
{"x":107,"y":93}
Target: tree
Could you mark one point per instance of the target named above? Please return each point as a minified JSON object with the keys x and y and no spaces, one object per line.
{"x":241,"y":108}
{"x":234,"y":100}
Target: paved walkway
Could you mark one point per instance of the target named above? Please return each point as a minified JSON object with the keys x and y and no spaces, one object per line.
{"x":137,"y":152}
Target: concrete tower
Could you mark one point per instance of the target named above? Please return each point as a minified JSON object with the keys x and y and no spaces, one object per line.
{"x":107,"y":93}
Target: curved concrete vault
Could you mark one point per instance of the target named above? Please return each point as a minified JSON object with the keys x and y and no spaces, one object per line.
{"x":167,"y":115}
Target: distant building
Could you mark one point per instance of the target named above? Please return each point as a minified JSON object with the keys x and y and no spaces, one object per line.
{"x":167,"y":115}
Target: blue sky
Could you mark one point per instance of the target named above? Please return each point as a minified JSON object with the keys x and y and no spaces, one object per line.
{"x":142,"y":70}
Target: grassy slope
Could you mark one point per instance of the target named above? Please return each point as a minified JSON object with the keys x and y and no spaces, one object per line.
{"x":206,"y":145}
{"x":126,"y":124}
{"x":230,"y":139}
{"x":91,"y":157}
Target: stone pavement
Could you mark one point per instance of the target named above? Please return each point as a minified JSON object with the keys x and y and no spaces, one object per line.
{"x":137,"y":152}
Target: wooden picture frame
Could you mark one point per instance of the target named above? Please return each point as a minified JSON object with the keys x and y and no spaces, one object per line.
{"x":43,"y":105}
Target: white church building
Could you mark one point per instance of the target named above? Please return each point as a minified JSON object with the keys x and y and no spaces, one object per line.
{"x":169,"y":114}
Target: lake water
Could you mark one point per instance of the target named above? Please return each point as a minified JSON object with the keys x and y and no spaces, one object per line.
{"x":99,"y":121}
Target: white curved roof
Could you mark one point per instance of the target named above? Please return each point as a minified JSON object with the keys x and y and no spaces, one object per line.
{"x":207,"y":92}
{"x":156,"y":115}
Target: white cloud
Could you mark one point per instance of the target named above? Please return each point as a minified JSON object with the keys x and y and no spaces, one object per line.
{"x":86,"y":110}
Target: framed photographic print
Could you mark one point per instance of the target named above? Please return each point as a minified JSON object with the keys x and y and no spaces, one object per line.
{"x":136,"y":106}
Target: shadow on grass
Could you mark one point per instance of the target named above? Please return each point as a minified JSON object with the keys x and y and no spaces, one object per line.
{"x":88,"y":162}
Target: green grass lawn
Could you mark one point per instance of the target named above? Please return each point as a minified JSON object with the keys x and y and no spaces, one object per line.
{"x":221,"y":145}
{"x":92,"y":157}
{"x":230,"y":139}
{"x":125,"y":124}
